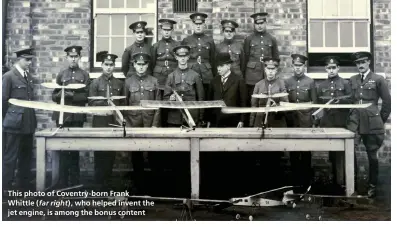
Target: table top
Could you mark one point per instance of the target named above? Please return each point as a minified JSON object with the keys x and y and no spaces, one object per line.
{"x":273,"y":133}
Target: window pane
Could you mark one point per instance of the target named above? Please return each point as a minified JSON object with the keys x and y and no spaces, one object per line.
{"x":316,"y":34}
{"x":132,"y":4}
{"x":130,"y":40}
{"x":361,"y":8}
{"x":117,"y":3}
{"x":102,"y":24}
{"x":346,"y":34}
{"x":331,"y":34}
{"x":117,"y":47}
{"x":102,"y":44}
{"x":102,"y":3}
{"x":146,"y":2}
{"x":361,"y":34}
{"x":315,"y":8}
{"x":149,"y":18}
{"x":118,"y":26}
{"x":346,"y":8}
{"x":331,"y":8}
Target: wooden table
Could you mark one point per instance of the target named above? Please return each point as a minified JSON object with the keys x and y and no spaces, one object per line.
{"x":202,"y":139}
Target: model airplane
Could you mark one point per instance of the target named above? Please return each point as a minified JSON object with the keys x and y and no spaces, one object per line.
{"x":184,"y":106}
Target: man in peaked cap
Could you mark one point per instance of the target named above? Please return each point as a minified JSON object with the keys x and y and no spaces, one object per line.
{"x":141,"y":86}
{"x":202,"y":54}
{"x":186,"y":82}
{"x":102,"y":86}
{"x":231,"y":46}
{"x":300,"y":88}
{"x":270,"y":161}
{"x":229,"y":87}
{"x":258,"y":46}
{"x":368,"y":124}
{"x":141,"y":45}
{"x":333,"y":87}
{"x":73,"y":74}
{"x":19,"y":123}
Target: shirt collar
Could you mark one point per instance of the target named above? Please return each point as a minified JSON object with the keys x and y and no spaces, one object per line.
{"x":20,"y":70}
{"x":366,"y":74}
{"x":226,"y":76}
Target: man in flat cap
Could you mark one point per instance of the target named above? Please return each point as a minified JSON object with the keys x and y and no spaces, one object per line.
{"x":231,"y":88}
{"x":333,"y":88}
{"x":272,"y":84}
{"x":102,"y":86}
{"x":231,"y":46}
{"x":258,"y":46}
{"x":141,"y":45}
{"x":300,"y":88}
{"x":73,"y":74}
{"x":19,"y":123}
{"x":141,"y":86}
{"x":163,"y":58}
{"x":202,"y":52}
{"x":368,"y":123}
{"x":187,"y":83}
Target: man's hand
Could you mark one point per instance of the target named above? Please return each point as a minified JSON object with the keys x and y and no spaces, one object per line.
{"x":240,"y":124}
{"x":173,"y":97}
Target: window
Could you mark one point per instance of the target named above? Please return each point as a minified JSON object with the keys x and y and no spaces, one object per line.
{"x":338,"y":27}
{"x":111,"y":21}
{"x":184,"y":6}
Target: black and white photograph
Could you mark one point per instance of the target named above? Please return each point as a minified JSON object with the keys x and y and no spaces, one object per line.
{"x":196,"y":110}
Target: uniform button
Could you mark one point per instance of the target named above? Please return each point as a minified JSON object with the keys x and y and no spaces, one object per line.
{"x":261,"y":41}
{"x":361,"y":93}
{"x":141,"y":86}
{"x":230,"y":51}
{"x":167,"y":55}
{"x":141,"y":80}
{"x":198,"y":38}
{"x":229,"y":45}
{"x":332,"y":93}
{"x":297,"y":93}
{"x":297,"y":100}
{"x":298,"y":81}
{"x":332,"y":82}
{"x":72,"y":71}
{"x":263,"y":55}
{"x":262,"y":48}
{"x":73,"y":78}
{"x":183,"y":81}
{"x":199,"y":44}
{"x":166,"y":43}
{"x":166,"y":49}
{"x":261,"y":36}
{"x":199,"y":49}
{"x":111,"y":93}
{"x":183,"y":74}
{"x":297,"y":86}
{"x":361,"y":86}
{"x":142,"y":93}
{"x":168,"y":67}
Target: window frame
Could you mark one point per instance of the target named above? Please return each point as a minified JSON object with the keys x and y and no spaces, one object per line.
{"x":119,"y":11}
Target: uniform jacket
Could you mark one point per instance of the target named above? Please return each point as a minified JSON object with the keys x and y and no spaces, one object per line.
{"x":163,"y":59}
{"x":203,"y":48}
{"x":256,"y":47}
{"x":233,"y":93}
{"x":18,"y":119}
{"x":127,"y":61}
{"x":300,"y":89}
{"x":263,"y":87}
{"x":187,"y":83}
{"x":72,"y":76}
{"x":334,"y":87}
{"x":236,"y":51}
{"x":98,"y":87}
{"x":141,"y":88}
{"x":369,"y":120}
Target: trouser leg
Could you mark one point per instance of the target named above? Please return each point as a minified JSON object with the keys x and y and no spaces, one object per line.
{"x":137,"y":160}
{"x":104,"y":161}
{"x":25,"y":162}
{"x":74,"y":168}
{"x":9,"y":159}
{"x":372,"y":144}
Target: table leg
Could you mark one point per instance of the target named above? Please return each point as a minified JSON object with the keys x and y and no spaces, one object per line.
{"x":349,"y":166}
{"x":340,"y":167}
{"x":55,"y":166}
{"x":40,"y":163}
{"x":195,"y":167}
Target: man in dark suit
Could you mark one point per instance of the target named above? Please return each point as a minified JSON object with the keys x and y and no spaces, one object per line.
{"x":368,"y":123}
{"x":229,"y":87}
{"x":19,"y":123}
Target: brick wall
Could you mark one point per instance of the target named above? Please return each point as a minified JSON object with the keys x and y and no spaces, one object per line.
{"x":50,"y":26}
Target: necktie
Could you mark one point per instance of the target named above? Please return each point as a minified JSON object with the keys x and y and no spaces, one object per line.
{"x":25,"y":76}
{"x":362,"y":78}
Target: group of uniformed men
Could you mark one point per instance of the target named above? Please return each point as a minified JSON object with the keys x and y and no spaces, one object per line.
{"x":198,"y":70}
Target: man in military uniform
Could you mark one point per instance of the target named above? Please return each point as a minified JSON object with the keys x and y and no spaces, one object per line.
{"x":229,"y":87}
{"x":258,"y":46}
{"x":231,"y":46}
{"x":333,"y":87}
{"x":202,"y":51}
{"x":141,"y":86}
{"x":368,"y":123}
{"x":19,"y":123}
{"x":272,"y":84}
{"x":163,"y":59}
{"x":102,"y":86}
{"x":69,"y":160}
{"x":186,"y":82}
{"x":141,"y":45}
{"x":300,"y":88}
